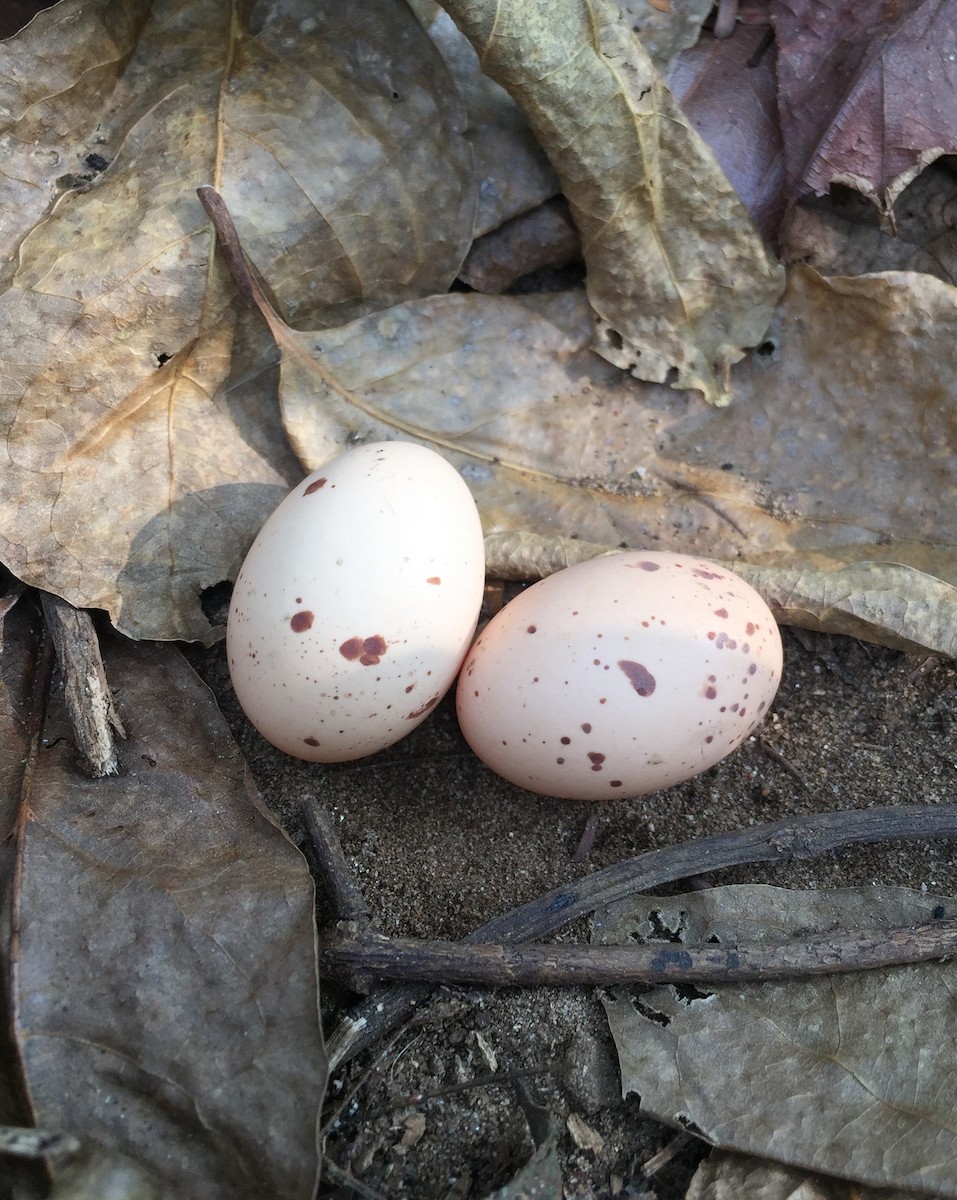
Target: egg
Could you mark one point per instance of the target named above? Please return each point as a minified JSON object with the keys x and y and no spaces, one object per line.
{"x":357,"y":602}
{"x":619,"y":676}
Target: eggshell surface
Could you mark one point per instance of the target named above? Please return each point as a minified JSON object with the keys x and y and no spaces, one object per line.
{"x":619,"y":676}
{"x":357,"y":602}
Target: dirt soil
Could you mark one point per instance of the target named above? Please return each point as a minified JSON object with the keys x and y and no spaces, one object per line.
{"x":439,"y":844}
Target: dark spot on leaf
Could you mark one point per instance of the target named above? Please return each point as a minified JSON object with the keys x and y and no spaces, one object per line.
{"x":315,"y":486}
{"x":640,"y":678}
{"x":301,"y":621}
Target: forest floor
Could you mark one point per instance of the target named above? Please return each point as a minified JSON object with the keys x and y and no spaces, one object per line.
{"x":439,"y":845}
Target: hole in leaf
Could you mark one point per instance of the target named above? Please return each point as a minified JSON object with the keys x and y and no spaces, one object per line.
{"x":652,"y":1014}
{"x":687,"y":993}
{"x":214,"y":602}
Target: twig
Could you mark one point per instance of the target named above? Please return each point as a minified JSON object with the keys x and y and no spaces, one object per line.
{"x":799,"y":838}
{"x":597,"y":966}
{"x":347,"y":901}
{"x":89,"y":701}
{"x":344,"y":1179}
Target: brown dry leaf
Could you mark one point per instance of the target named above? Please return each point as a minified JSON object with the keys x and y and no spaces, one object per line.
{"x":545,"y":237}
{"x":160,"y":927}
{"x":846,"y":1074}
{"x":678,"y":278}
{"x":725,"y":1176}
{"x":513,"y":172}
{"x":835,"y":450}
{"x":138,"y":452}
{"x":727,"y":88}
{"x":665,"y":29}
{"x":868,"y":92}
{"x":841,"y":234}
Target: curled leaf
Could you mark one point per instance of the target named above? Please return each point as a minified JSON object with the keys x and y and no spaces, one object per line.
{"x":678,"y":278}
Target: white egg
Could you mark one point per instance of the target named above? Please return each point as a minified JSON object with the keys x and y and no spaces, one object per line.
{"x":357,"y":602}
{"x":620,"y":676}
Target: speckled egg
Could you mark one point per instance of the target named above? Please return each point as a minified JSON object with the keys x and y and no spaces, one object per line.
{"x":357,"y":602}
{"x":619,"y":676}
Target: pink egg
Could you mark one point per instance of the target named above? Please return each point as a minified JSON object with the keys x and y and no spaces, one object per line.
{"x":619,"y":676}
{"x":357,"y":602}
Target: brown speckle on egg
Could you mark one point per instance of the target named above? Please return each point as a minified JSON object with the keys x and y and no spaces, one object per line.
{"x":640,"y":678}
{"x":315,"y":486}
{"x":301,"y":621}
{"x":368,"y":651}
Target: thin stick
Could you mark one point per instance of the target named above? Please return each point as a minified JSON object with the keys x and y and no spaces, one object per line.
{"x":599,"y":966}
{"x":89,"y":701}
{"x":799,"y":838}
{"x":337,"y":1175}
{"x":347,"y":900}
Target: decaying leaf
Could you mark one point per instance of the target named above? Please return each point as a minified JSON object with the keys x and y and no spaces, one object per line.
{"x":158,"y":954}
{"x":544,"y":237}
{"x":552,"y":440}
{"x":137,"y":451}
{"x":829,"y":1074}
{"x":678,"y":278}
{"x":738,"y":1177}
{"x":841,"y":234}
{"x":867,"y":92}
{"x":539,"y":1179}
{"x":727,"y":88}
{"x":665,"y":29}
{"x":513,"y":172}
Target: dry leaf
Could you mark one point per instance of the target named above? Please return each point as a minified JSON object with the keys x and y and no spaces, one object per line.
{"x":665,"y":29}
{"x":727,"y":88}
{"x":868,"y":92}
{"x":550,"y":439}
{"x":845,"y":1074}
{"x":513,"y":173}
{"x":544,"y":237}
{"x":138,"y":453}
{"x":164,"y":1004}
{"x":841,"y":234}
{"x":678,"y":278}
{"x":737,"y":1177}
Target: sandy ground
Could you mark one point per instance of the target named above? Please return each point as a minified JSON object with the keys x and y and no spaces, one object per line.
{"x":439,"y":845}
